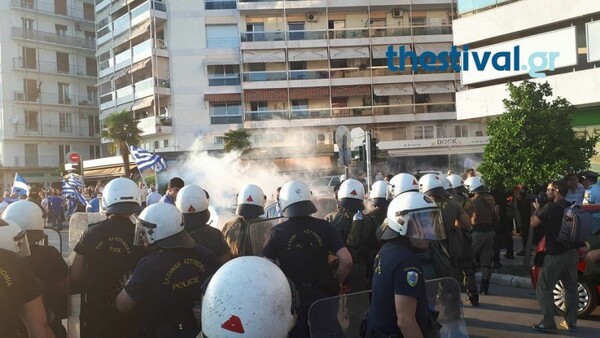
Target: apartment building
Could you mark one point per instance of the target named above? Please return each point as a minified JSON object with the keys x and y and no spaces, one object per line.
{"x":290,"y":72}
{"x":569,"y":28}
{"x":48,"y":79}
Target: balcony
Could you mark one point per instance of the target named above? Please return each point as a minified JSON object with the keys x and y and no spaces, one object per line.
{"x":139,"y":90}
{"x":155,"y":125}
{"x":34,"y":161}
{"x":55,"y":99}
{"x":49,"y":67}
{"x":53,"y":38}
{"x":138,"y":15}
{"x":52,"y":130}
{"x":74,"y":12}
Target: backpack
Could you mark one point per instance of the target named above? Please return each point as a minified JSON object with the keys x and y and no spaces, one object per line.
{"x":576,"y":226}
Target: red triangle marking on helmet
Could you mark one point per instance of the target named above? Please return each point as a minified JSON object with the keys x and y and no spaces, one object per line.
{"x":353,"y":193}
{"x":191,"y":209}
{"x":415,"y":182}
{"x":233,"y":324}
{"x":249,"y":199}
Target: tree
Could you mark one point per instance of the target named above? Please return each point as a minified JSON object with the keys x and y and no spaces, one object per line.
{"x":533,"y":141}
{"x":122,"y":129}
{"x":238,"y":139}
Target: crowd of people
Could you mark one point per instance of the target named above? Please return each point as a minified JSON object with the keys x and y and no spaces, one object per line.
{"x":155,"y":268}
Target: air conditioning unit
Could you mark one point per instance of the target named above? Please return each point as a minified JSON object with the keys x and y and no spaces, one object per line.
{"x":19,"y":96}
{"x":321,"y":139}
{"x":311,"y":17}
{"x":397,"y":13}
{"x":77,"y":27}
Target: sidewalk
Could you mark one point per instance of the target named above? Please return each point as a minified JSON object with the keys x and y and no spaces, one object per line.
{"x":506,"y":275}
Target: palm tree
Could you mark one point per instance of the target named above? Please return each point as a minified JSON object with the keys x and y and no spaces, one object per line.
{"x":122,"y":129}
{"x":238,"y":139}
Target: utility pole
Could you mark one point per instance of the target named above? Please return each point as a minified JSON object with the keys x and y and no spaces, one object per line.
{"x":368,"y":157}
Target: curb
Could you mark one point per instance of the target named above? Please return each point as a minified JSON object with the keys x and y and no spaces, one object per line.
{"x":508,"y":280}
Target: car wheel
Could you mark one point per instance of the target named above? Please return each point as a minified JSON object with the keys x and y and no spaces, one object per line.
{"x":588,"y":297}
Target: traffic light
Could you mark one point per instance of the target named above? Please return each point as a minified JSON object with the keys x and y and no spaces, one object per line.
{"x":76,"y":168}
{"x":361,"y":153}
{"x":373,"y":149}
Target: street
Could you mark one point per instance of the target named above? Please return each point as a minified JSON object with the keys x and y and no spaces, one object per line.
{"x":510,"y":312}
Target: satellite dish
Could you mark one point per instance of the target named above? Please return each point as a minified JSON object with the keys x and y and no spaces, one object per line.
{"x":358,"y":137}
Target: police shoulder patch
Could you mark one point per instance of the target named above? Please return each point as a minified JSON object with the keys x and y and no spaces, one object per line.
{"x":412,"y":277}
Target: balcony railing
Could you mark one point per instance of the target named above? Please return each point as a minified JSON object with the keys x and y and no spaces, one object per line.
{"x":229,"y":80}
{"x":66,"y":40}
{"x":55,"y":99}
{"x":155,"y":125}
{"x":348,"y":33}
{"x":34,"y":161}
{"x":52,"y":130}
{"x":53,"y":67}
{"x":48,"y":7}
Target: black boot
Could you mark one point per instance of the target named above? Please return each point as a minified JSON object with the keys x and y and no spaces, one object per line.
{"x":473,"y":298}
{"x":485,"y":285}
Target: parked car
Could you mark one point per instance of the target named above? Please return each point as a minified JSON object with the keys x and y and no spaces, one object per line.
{"x":588,"y":292}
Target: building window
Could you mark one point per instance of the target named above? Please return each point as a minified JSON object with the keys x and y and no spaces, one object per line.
{"x":222,"y":36}
{"x":423,"y":132}
{"x":219,"y":140}
{"x":461,"y":130}
{"x":399,"y":134}
{"x":63,"y":149}
{"x":32,"y":120}
{"x":27,"y":24}
{"x":61,"y":30}
{"x":220,"y":4}
{"x":89,"y":13}
{"x":93,"y":125}
{"x":225,"y":113}
{"x":94,"y":152}
{"x":65,"y":122}
{"x":223,"y":75}
{"x":92,"y":96}
{"x":63,"y":93}
{"x":259,"y":106}
{"x":165,"y":143}
{"x":255,"y":32}
{"x":29,"y":58}
{"x":156,"y":144}
{"x":441,"y":131}
{"x":62,"y":62}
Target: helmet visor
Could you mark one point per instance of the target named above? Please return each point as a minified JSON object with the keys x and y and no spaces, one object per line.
{"x":144,"y":232}
{"x":22,"y":244}
{"x":422,"y":224}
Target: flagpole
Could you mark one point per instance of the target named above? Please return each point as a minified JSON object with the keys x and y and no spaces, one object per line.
{"x":136,"y":166}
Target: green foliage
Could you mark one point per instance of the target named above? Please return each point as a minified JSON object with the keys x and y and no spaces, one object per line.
{"x":533,"y":141}
{"x":238,"y":139}
{"x":122,"y":129}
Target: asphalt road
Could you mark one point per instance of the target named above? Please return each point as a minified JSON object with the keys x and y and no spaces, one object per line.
{"x":510,"y":312}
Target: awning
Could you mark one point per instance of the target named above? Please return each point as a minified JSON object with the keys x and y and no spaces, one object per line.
{"x":138,"y":66}
{"x":304,"y":163}
{"x":120,"y":73}
{"x":143,"y":103}
{"x":254,"y":95}
{"x":349,"y":52}
{"x":309,"y":93}
{"x":232,"y":97}
{"x":379,"y":51}
{"x":441,"y":87}
{"x":307,"y":54}
{"x":393,"y":89}
{"x":139,"y":30}
{"x":220,"y":59}
{"x":112,"y":171}
{"x":260,"y":56}
{"x":346,"y":91}
{"x":436,"y":48}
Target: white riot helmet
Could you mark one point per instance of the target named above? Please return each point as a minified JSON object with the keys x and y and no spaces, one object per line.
{"x":191,"y":199}
{"x":351,"y":195}
{"x":296,"y":199}
{"x":415,"y":215}
{"x":12,"y":238}
{"x":380,"y":194}
{"x":251,"y":201}
{"x":121,"y":196}
{"x":27,"y":214}
{"x":162,"y":224}
{"x":446,"y":183}
{"x":474,"y":184}
{"x":402,"y":183}
{"x":458,"y":184}
{"x":431,"y":185}
{"x":238,"y":295}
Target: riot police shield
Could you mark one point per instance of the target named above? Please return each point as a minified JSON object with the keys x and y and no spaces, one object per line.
{"x":77,"y":224}
{"x":325,"y":206}
{"x":443,"y":295}
{"x":53,"y":238}
{"x":339,"y":316}
{"x":258,"y":232}
{"x":224,"y":217}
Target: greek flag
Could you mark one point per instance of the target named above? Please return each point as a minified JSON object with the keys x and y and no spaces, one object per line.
{"x":145,"y":160}
{"x":67,"y":189}
{"x":74,"y":181}
{"x":20,"y":186}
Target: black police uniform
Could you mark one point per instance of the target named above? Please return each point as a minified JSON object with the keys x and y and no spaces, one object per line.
{"x":18,"y":286}
{"x":50,"y":268}
{"x":302,"y":246}
{"x":374,"y":219}
{"x":207,"y":236}
{"x":165,"y":286}
{"x":110,"y":255}
{"x":398,"y":271}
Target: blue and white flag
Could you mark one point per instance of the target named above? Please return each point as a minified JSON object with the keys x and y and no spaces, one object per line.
{"x":20,"y":186}
{"x":74,"y":181}
{"x":67,"y":190}
{"x":145,"y":159}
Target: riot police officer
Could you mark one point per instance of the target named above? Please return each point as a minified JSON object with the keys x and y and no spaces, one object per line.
{"x":46,"y":262}
{"x":165,"y":285}
{"x":302,"y":245}
{"x":380,"y":198}
{"x":250,"y":205}
{"x":20,"y":294}
{"x":104,"y":257}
